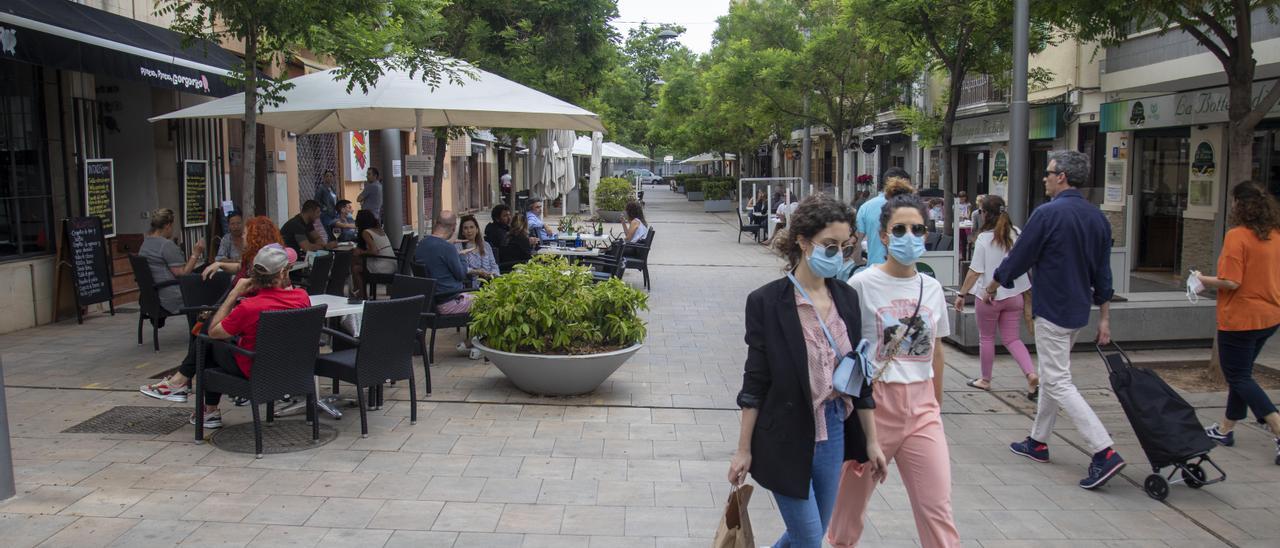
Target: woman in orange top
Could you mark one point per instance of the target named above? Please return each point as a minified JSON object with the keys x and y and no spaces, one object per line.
{"x":1248,"y":284}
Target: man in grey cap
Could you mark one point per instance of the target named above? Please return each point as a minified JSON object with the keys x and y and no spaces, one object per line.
{"x":266,"y":289}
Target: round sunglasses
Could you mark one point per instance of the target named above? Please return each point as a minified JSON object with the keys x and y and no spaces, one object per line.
{"x":900,"y":230}
{"x":833,"y":249}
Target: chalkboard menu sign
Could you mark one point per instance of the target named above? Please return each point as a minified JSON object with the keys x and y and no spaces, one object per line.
{"x":99,"y":193}
{"x":195,"y":193}
{"x":86,"y":257}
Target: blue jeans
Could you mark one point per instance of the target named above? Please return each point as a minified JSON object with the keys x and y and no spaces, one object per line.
{"x":1237,"y":350}
{"x":806,"y":519}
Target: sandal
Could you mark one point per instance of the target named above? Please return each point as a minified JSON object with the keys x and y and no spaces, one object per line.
{"x":974,"y":383}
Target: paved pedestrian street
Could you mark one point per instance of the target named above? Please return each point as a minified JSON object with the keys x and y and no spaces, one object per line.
{"x":640,"y":463}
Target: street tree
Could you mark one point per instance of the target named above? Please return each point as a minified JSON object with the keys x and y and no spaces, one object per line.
{"x":958,"y":39}
{"x":362,"y":38}
{"x":633,"y":86}
{"x":1224,"y":28}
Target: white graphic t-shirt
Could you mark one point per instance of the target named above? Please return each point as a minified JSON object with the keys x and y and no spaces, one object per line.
{"x":887,"y":306}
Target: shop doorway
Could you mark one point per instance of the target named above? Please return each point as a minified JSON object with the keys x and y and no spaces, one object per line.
{"x":1266,"y":159}
{"x":974,"y":170}
{"x":1160,"y":190}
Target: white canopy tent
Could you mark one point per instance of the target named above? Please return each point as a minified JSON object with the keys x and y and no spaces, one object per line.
{"x":320,"y":103}
{"x":582,"y":147}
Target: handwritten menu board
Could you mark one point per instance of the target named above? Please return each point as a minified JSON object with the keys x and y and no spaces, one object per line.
{"x":195,"y":193}
{"x":88,"y":259}
{"x":99,"y":193}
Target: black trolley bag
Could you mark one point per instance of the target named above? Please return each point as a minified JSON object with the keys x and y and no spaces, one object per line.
{"x":1165,"y":424}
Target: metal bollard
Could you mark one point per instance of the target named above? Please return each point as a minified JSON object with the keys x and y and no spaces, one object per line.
{"x":6,"y":452}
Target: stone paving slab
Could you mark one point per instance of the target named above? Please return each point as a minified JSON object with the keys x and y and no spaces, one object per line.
{"x":638,"y":463}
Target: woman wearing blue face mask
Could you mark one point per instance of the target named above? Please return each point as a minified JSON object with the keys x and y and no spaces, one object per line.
{"x":796,"y":430}
{"x":904,"y":315}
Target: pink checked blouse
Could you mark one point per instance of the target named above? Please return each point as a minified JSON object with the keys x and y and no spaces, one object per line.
{"x":822,"y":359}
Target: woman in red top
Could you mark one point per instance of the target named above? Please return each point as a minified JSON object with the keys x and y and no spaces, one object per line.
{"x":1248,"y":284}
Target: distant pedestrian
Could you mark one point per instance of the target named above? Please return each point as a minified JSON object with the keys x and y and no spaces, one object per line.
{"x":1248,"y":284}
{"x":1068,"y":242}
{"x":868,"y":220}
{"x":1010,"y":305}
{"x":371,"y":197}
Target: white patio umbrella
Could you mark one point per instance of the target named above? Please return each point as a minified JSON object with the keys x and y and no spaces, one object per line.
{"x":566,"y":179}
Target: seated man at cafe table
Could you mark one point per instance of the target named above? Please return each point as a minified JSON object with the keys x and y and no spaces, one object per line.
{"x":537,"y":228}
{"x":299,"y":232}
{"x":266,"y":289}
{"x":442,"y":262}
{"x":496,"y":231}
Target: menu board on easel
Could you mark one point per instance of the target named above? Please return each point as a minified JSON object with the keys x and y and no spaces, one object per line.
{"x":84,"y":254}
{"x":195,"y":193}
{"x":100,"y":193}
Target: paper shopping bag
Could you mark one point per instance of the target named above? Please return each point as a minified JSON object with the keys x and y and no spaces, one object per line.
{"x":735,"y":525}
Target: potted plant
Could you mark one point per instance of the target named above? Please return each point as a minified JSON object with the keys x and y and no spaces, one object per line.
{"x":553,"y":331}
{"x":693,"y":189}
{"x":567,"y":224}
{"x":719,"y":196}
{"x":612,"y":195}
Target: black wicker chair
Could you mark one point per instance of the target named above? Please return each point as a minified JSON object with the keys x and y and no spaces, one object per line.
{"x":408,"y":244}
{"x":339,"y":274}
{"x":638,"y":256}
{"x":608,"y":266}
{"x":412,"y":286}
{"x":384,"y":351}
{"x":201,"y":295}
{"x":754,"y":229}
{"x":437,"y":321}
{"x":317,"y":282}
{"x":149,"y":299}
{"x":283,"y":364}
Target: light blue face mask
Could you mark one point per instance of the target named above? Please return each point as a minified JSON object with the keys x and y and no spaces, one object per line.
{"x":825,"y":266}
{"x":906,"y":249}
{"x":847,"y":270}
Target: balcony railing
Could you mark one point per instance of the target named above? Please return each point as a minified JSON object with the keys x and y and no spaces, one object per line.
{"x":981,"y":90}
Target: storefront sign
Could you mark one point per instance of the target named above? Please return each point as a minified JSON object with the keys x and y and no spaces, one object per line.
{"x":100,"y":193}
{"x":1000,"y":173}
{"x":1204,"y":173}
{"x":1203,"y":168}
{"x":1208,"y":106}
{"x":195,"y":193}
{"x":420,"y":165}
{"x":85,"y":252}
{"x":355,"y":145}
{"x":1045,"y":123}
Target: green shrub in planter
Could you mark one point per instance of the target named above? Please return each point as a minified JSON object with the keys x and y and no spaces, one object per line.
{"x":717,"y":189}
{"x":694,"y":184}
{"x":547,"y":306}
{"x":613,"y":193}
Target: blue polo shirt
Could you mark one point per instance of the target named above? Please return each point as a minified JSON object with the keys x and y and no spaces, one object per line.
{"x":1068,"y":244}
{"x":868,"y":222}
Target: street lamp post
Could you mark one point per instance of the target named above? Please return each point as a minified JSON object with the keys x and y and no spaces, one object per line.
{"x":1019,"y":113}
{"x":6,"y":453}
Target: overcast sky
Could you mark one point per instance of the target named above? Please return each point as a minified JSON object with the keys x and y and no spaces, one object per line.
{"x":698,"y":17}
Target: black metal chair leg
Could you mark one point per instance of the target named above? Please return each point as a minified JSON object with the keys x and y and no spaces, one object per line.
{"x":141,"y":316}
{"x":271,"y":412}
{"x":413,"y":400}
{"x":257,"y":429}
{"x":433,"y":345}
{"x":335,"y":386}
{"x":364,"y":421}
{"x":315,"y":416}
{"x":311,"y":408}
{"x":426,"y":369}
{"x":155,"y":337}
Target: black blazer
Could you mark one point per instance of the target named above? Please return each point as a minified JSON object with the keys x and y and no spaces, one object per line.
{"x":776,"y":381}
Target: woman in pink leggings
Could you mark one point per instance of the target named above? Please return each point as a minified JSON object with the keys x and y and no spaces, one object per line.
{"x":1010,"y":305}
{"x":904,"y":315}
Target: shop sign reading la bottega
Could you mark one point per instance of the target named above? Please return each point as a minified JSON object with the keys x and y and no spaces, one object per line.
{"x":1206,"y":106}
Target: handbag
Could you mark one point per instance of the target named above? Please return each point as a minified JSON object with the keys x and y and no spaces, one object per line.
{"x":854,"y":369}
{"x":735,"y":526}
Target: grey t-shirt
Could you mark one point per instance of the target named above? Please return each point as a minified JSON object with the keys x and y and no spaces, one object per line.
{"x":228,"y":250}
{"x":162,"y":253}
{"x":371,"y":198}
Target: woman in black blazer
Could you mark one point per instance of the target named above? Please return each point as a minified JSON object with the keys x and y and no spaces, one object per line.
{"x":796,"y":431}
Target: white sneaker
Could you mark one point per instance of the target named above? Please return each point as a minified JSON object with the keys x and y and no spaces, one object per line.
{"x":163,"y":391}
{"x":211,"y":420}
{"x":475,"y":354}
{"x":462,"y":347}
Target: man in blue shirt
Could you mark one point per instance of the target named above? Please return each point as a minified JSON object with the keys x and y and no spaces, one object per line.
{"x":537,"y":228}
{"x":1068,"y":243}
{"x":442,"y":263}
{"x":868,"y":219}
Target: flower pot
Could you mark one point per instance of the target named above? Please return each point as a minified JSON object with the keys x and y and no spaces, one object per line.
{"x":610,"y":216}
{"x":557,"y":375}
{"x":717,"y":206}
{"x":694,"y":196}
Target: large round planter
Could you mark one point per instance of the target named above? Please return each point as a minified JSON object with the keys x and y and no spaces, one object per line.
{"x":550,"y":375}
{"x":610,"y":216}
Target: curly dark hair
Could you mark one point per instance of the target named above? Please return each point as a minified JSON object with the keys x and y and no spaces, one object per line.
{"x":897,"y":202}
{"x":811,"y":217}
{"x":1255,"y":209}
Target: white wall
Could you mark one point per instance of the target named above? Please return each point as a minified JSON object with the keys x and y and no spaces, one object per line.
{"x":26,"y":293}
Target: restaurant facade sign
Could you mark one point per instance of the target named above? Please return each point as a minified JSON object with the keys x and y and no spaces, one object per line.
{"x":1191,"y":108}
{"x":1045,"y":122}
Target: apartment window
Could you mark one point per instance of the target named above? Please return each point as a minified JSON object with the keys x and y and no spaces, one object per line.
{"x":26,"y":226}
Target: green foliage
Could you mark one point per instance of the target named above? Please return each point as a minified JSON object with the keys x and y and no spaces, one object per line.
{"x":718,"y":189}
{"x":627,"y":97}
{"x":694,"y":184}
{"x":613,"y":193}
{"x":926,"y":125}
{"x":547,"y":306}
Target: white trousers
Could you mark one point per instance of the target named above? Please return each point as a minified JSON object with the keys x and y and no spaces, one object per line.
{"x":1053,"y":352}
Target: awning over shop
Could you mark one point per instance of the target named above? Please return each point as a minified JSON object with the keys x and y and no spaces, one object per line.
{"x":71,"y":36}
{"x":708,"y":157}
{"x":582,"y":147}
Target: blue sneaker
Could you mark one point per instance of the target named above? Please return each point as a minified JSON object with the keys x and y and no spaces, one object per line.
{"x":1031,"y":449}
{"x":1215,"y":434}
{"x":1106,"y":463}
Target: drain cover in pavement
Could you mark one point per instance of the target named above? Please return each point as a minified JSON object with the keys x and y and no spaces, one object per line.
{"x":278,"y":437}
{"x":129,"y":419}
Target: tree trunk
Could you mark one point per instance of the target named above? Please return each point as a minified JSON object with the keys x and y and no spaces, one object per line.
{"x":437,"y":181}
{"x":839,"y":185}
{"x":249,"y":187}
{"x":944,"y":163}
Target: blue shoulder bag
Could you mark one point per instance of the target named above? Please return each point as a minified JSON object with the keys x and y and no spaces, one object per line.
{"x":854,"y":369}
